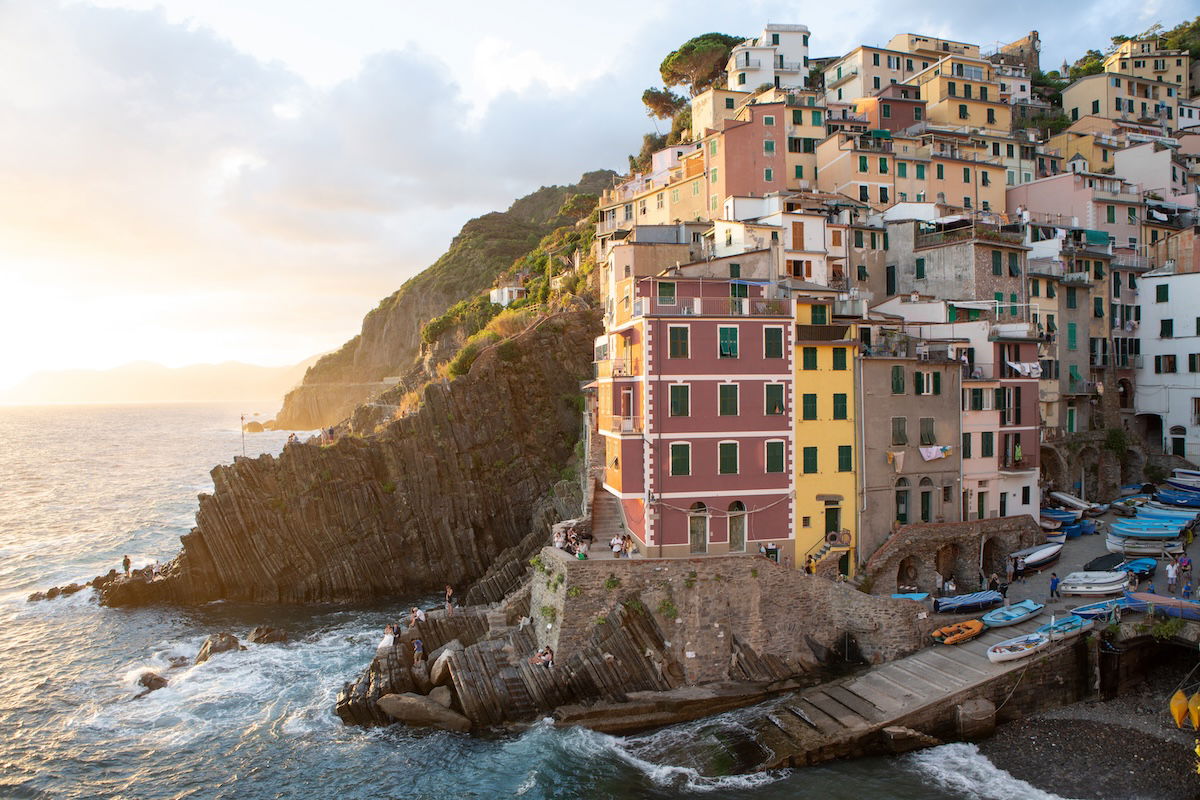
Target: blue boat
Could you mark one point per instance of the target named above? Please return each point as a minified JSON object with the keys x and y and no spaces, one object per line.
{"x":1012,"y":614}
{"x":1182,"y":485}
{"x":1151,"y":512}
{"x":1181,"y":499}
{"x":920,"y":597}
{"x":1072,"y":531}
{"x":1061,"y":514}
{"x":1066,"y":627}
{"x":1142,"y":567}
{"x":1163,"y":605}
{"x":967,"y":602}
{"x":1144,"y":533}
{"x":1102,"y":609}
{"x":1088,"y":526}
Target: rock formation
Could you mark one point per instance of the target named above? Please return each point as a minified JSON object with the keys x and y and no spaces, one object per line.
{"x":432,"y":499}
{"x":391,"y":333}
{"x":265,"y":634}
{"x":217,"y":643}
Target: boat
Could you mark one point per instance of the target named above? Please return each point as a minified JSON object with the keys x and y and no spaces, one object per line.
{"x":1104,"y":563}
{"x":1160,"y":506}
{"x":1180,"y":499}
{"x":1062,"y":514}
{"x":1180,"y":472}
{"x":1099,"y":583}
{"x":1050,"y":523}
{"x":920,"y":597}
{"x":1038,"y":556}
{"x":959,"y":632}
{"x":1132,"y":546}
{"x":1145,"y":534}
{"x":1065,"y":628}
{"x":1179,"y":707}
{"x":1071,"y":501}
{"x":967,"y":602}
{"x":1141,"y":567}
{"x":1055,"y":537}
{"x":1148,"y":511}
{"x":1019,"y":647}
{"x":1129,"y":506}
{"x":1073,"y":531}
{"x":1164,"y":605}
{"x":1184,"y":484}
{"x":1012,"y":614}
{"x":1088,"y":526}
{"x":1103,"y":609}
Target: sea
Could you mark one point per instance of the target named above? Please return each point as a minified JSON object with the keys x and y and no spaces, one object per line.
{"x":82,"y":486}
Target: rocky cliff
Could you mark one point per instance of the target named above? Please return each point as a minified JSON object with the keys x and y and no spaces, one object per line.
{"x":391,"y":333}
{"x":432,"y":498}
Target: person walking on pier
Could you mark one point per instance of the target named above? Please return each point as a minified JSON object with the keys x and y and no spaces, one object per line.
{"x":1172,"y":574}
{"x":1010,"y":570}
{"x":1054,"y":586}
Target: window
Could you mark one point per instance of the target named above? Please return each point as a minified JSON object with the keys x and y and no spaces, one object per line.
{"x":727,"y":399}
{"x":1162,"y":293}
{"x":741,"y":79}
{"x":729,"y":102}
{"x":902,"y":169}
{"x":920,"y":172}
{"x":666,"y":293}
{"x":875,"y":59}
{"x":883,"y":166}
{"x":809,"y":407}
{"x":775,"y":460}
{"x":1098,"y":307}
{"x":1164,"y":363}
{"x":1072,"y":342}
{"x":797,"y":117}
{"x":897,"y":379}
{"x":918,"y":113}
{"x":727,"y":338}
{"x":810,"y":460}
{"x":927,"y":437}
{"x":735,"y":269}
{"x":816,"y":117}
{"x":899,"y":430}
{"x":952,"y":88}
{"x":962,"y":111}
{"x":997,"y":262}
{"x":858,"y":238}
{"x":845,"y":458}
{"x":941,"y":171}
{"x":839,"y":353}
{"x":966,"y":445}
{"x":1072,"y":298}
{"x":883,"y":196}
{"x":886,"y":110}
{"x":768,"y":175}
{"x":1166,"y":328}
{"x":987,"y":444}
{"x":1014,"y":265}
{"x":1111,"y":212}
{"x":863,"y":166}
{"x":768,"y":120}
{"x":1035,"y":288}
{"x":966,"y":174}
{"x":773,"y":395}
{"x":864,"y":193}
{"x":799,"y":172}
{"x":820,"y":315}
{"x":839,"y":406}
{"x":772,"y":342}
{"x":768,"y":147}
{"x":681,"y":458}
{"x":677,"y":336}
{"x":681,"y":400}
{"x":809,"y":357}
{"x":727,"y":458}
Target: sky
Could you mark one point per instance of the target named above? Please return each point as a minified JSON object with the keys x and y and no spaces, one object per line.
{"x":196,"y":181}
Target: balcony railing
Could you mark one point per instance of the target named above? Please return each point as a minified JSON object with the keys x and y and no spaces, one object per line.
{"x":711,"y":307}
{"x":747,"y":63}
{"x":788,"y":66}
{"x":978,"y":230}
{"x":1015,"y":464}
{"x":618,"y":424}
{"x":1077,"y":277}
{"x":840,"y":79}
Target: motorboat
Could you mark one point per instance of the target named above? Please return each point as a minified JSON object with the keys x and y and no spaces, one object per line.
{"x":1133,"y":546}
{"x":1103,"y":609}
{"x":1019,"y":647}
{"x":1115,"y":562}
{"x":1012,"y":614}
{"x":1038,"y":556}
{"x":1095,"y":583}
{"x":1067,"y":627}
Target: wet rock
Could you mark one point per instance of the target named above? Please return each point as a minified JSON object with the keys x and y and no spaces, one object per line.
{"x":422,"y":712}
{"x":265,"y":634}
{"x":152,"y":681}
{"x":53,"y":593}
{"x":439,"y":671}
{"x":71,"y":588}
{"x":217,"y":643}
{"x":253,"y":426}
{"x":179,"y":661}
{"x":442,"y":696}
{"x":420,"y":674}
{"x":35,"y":597}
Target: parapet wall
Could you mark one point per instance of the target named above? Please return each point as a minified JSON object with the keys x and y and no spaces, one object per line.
{"x":709,"y":607}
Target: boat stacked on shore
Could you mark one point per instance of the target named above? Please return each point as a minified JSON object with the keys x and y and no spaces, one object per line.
{"x":1095,"y":583}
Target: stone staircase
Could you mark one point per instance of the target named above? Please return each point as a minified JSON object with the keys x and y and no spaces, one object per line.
{"x":607,"y":517}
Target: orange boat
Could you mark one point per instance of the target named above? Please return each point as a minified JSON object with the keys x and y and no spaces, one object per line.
{"x":959,"y":632}
{"x":1179,"y":708}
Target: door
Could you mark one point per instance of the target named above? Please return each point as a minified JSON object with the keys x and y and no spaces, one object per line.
{"x":1004,"y":504}
{"x":737,"y":532}
{"x":981,"y":505}
{"x":1177,"y":448}
{"x":698,"y":533}
{"x":902,"y":506}
{"x":891,"y":280}
{"x":926,"y":506}
{"x":833,"y":520}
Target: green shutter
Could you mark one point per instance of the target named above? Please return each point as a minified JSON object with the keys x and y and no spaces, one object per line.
{"x":681,"y":459}
{"x":862,"y":163}
{"x":727,"y":458}
{"x":845,"y":458}
{"x":839,"y":353}
{"x":775,"y":461}
{"x":773,"y":393}
{"x":810,"y":406}
{"x":820,"y":315}
{"x":810,"y":358}
{"x":920,"y":268}
{"x":897,"y":379}
{"x":816,"y":118}
{"x":986,"y":446}
{"x":839,"y":406}
{"x":1161,"y":293}
{"x":728,"y":342}
{"x":678,"y":342}
{"x":996,"y":262}
{"x":1071,"y":336}
{"x":727,"y":399}
{"x":966,"y":445}
{"x":918,"y":382}
{"x":810,"y":460}
{"x":680,"y":395}
{"x":773,"y":342}
{"x":937,"y":383}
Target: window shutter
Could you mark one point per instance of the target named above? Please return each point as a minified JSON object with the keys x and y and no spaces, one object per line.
{"x":918,"y":382}
{"x":897,"y":379}
{"x":937,"y":383}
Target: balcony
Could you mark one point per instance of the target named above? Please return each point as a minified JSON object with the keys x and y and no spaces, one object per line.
{"x":965,"y":233}
{"x":1010,"y":464}
{"x":618,"y":424}
{"x":711,"y":307}
{"x":1127,"y":361}
{"x":839,"y":80}
{"x":616,"y":368}
{"x":788,"y":66}
{"x":747,"y":63}
{"x":1077,"y":278}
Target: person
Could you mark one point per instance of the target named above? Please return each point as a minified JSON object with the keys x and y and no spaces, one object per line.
{"x":615,"y":544}
{"x":810,"y":565}
{"x":1054,"y":586}
{"x":449,"y":600}
{"x":938,"y":583}
{"x":950,"y":587}
{"x":417,"y":615}
{"x":1172,"y":574}
{"x":1020,"y":568}
{"x":1185,"y":567}
{"x":559,"y":540}
{"x":994,"y":582}
{"x":1010,"y":569}
{"x":1187,"y":591}
{"x":547,"y":657}
{"x":126,"y":563}
{"x":418,"y":651}
{"x":627,"y":545}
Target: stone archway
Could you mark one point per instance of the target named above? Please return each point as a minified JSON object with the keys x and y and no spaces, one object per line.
{"x":1133,"y":467}
{"x":1087,"y":470}
{"x":991,"y":559}
{"x":946,"y":560}
{"x":908,"y":573}
{"x":1150,"y":428}
{"x":1053,"y":468}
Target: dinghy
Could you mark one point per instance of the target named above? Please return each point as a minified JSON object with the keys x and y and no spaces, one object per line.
{"x":920,"y":597}
{"x":1184,"y":484}
{"x":1128,"y":507}
{"x":1148,"y":511}
{"x":1020,"y":647}
{"x":959,"y":632}
{"x":1141,"y":567}
{"x":1056,"y":537}
{"x":1095,"y":583}
{"x":1050,"y":523}
{"x":967,"y":602}
{"x":1012,"y":614}
{"x":1103,"y":609}
{"x":1062,"y":514}
{"x":1104,"y":563}
{"x":1073,"y":531}
{"x":1038,"y":556}
{"x":1180,"y":499}
{"x":1145,"y":533}
{"x":1130,"y":546}
{"x":1066,"y":627}
{"x":1179,"y":707}
{"x":1164,"y":605}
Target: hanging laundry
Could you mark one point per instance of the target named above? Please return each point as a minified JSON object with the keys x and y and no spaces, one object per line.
{"x":932,"y":452}
{"x":896,"y":459}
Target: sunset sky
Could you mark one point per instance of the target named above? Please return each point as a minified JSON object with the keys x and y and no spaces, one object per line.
{"x":189,"y":181}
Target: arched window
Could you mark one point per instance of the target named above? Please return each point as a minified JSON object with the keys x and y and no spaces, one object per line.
{"x":926,"y":498}
{"x":737,"y":527}
{"x":698,"y":528}
{"x":1178,"y":430}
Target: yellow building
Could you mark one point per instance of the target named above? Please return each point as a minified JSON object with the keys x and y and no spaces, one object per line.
{"x":826,"y":444}
{"x":961,"y":92}
{"x":1120,"y":96}
{"x":1150,"y":60}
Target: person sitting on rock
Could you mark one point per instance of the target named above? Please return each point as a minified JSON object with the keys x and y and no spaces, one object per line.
{"x":547,"y":657}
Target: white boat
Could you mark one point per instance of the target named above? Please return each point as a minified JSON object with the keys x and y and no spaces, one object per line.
{"x":1066,"y":627}
{"x":1019,"y":647}
{"x":1058,"y":537}
{"x":1071,"y":501}
{"x":1179,"y":472}
{"x":1038,"y":556}
{"x":1094,"y":583}
{"x":1132,"y":546}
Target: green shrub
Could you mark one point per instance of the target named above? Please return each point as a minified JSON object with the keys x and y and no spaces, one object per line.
{"x":612,"y":582}
{"x":636,"y":606}
{"x":1167,"y":628}
{"x":667,"y":609}
{"x":574,"y":591}
{"x":537,"y":563}
{"x":389,"y":487}
{"x":549,"y":614}
{"x":602,"y":620}
{"x":508,"y":351}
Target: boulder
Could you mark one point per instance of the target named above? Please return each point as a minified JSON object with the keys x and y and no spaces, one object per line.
{"x":253,"y":426}
{"x":439,"y":669}
{"x":152,"y":681}
{"x":420,"y":675}
{"x":71,"y":588}
{"x":178,"y":661}
{"x":33,"y":598}
{"x":265,"y":634}
{"x":217,"y":643}
{"x":442,"y":696}
{"x":453,"y":644}
{"x":422,"y":712}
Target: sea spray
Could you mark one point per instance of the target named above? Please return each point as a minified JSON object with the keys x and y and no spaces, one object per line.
{"x":961,"y":768}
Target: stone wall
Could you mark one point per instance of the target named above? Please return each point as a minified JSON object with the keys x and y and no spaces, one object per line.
{"x":710,"y":606}
{"x":963,"y":547}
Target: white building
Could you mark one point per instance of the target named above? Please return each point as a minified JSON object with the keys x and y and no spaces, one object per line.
{"x":1014,"y":83}
{"x":503,"y":295}
{"x":1168,"y":381}
{"x":779,"y":57}
{"x":1188,"y":114}
{"x":1155,"y":167}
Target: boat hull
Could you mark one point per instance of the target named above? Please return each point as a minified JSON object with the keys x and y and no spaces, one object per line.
{"x":1157,"y":548}
{"x":1011,"y":615}
{"x":1066,"y":628}
{"x":1094,"y":583}
{"x":1019,"y":647}
{"x":1164,"y":605}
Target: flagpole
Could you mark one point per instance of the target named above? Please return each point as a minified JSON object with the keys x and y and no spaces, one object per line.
{"x":243,"y":435}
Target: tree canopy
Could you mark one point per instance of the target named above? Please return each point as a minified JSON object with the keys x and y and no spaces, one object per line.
{"x":663,"y":103}
{"x":698,"y":62}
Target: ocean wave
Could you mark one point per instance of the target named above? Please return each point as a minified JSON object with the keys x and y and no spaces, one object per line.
{"x":962,"y":769}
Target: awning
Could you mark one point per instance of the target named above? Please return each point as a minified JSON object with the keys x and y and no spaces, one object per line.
{"x":1096,"y":237}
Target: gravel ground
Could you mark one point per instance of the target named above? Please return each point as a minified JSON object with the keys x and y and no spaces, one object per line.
{"x":1118,"y":749}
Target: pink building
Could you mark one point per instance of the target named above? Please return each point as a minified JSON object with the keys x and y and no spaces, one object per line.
{"x":1084,"y":200}
{"x":694,"y":402}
